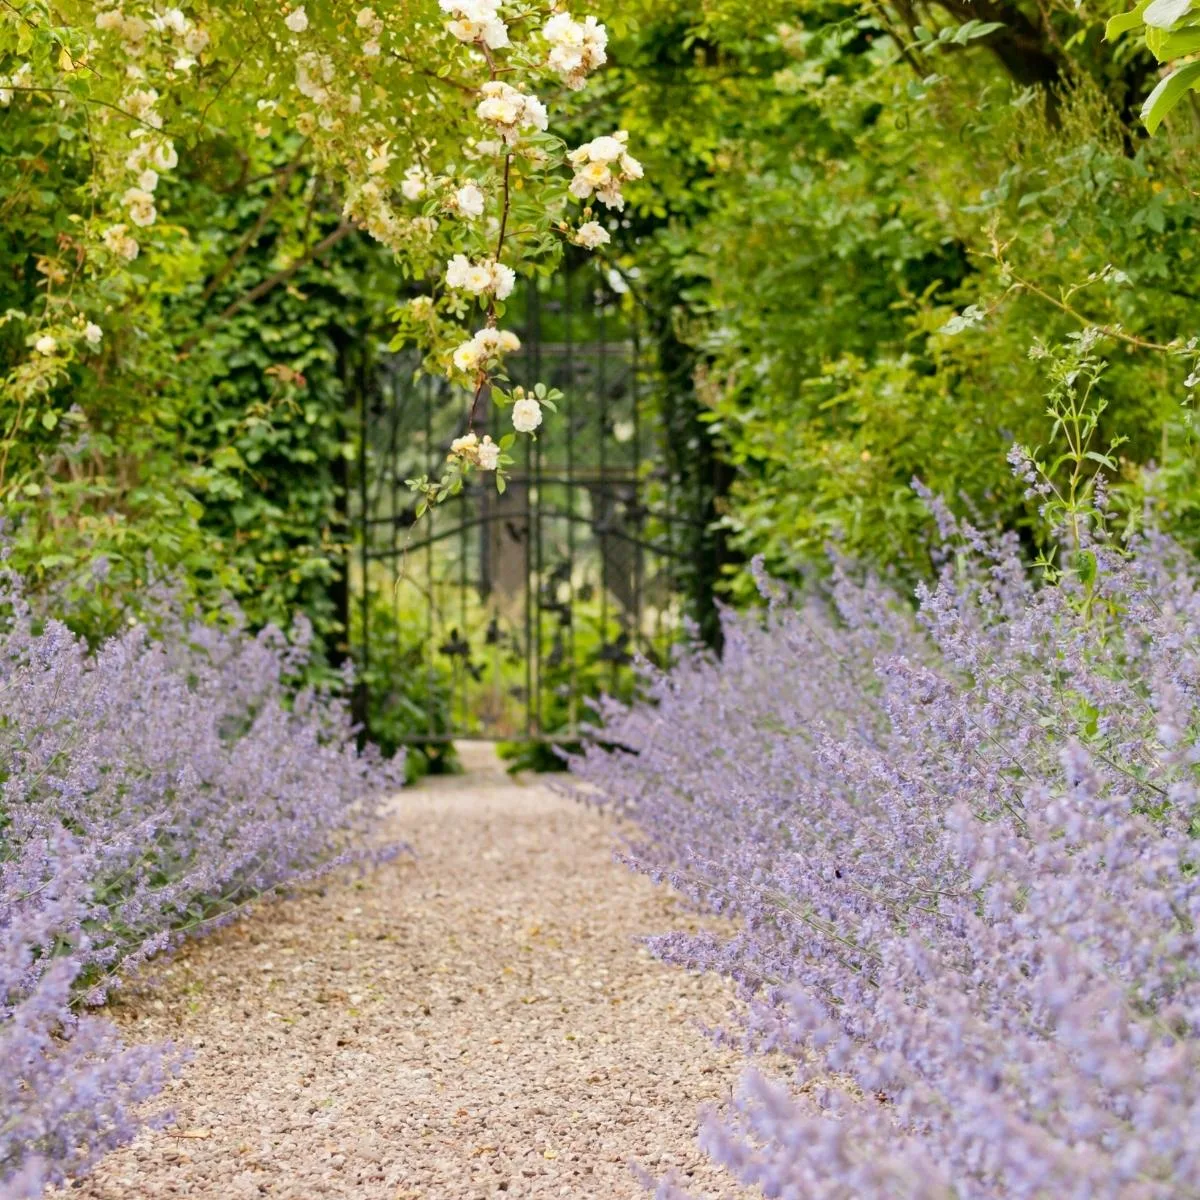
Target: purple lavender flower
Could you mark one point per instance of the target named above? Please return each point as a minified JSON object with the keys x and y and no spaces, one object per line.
{"x":960,"y":849}
{"x":148,"y":791}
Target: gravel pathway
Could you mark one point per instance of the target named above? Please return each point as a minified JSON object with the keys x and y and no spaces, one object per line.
{"x":478,"y":1022}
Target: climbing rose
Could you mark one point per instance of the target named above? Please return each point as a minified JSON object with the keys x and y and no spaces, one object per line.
{"x":92,"y":334}
{"x":526,"y":415}
{"x":601,"y":167}
{"x":414,"y":183}
{"x":576,"y":47}
{"x":489,"y":454}
{"x":477,"y":21}
{"x":592,"y":234}
{"x":45,"y":344}
{"x":469,"y":200}
{"x":141,"y":206}
{"x":510,"y":110}
{"x":480,"y":278}
{"x":297,"y":20}
{"x":485,"y":345}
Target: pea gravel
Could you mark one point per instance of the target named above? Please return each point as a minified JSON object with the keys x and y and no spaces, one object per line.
{"x":477,"y":1021}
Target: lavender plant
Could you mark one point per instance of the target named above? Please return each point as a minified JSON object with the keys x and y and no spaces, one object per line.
{"x":960,"y":848}
{"x":69,"y":1089}
{"x":148,"y":791}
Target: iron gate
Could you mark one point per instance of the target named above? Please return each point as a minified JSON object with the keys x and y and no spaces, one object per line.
{"x":500,"y":616}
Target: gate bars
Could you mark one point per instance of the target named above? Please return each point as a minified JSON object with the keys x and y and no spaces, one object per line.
{"x":501,"y":616}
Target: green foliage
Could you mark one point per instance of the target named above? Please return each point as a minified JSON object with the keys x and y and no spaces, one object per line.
{"x":876,"y":213}
{"x":579,"y":663}
{"x":1171,"y":30}
{"x":408,"y":692}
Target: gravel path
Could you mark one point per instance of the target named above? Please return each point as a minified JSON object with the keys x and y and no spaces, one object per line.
{"x":477,"y":1022}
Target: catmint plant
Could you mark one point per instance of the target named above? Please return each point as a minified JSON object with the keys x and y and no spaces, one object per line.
{"x":959,"y":850}
{"x":149,"y":790}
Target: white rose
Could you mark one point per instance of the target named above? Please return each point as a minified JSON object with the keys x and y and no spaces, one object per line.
{"x":413,"y":185}
{"x":503,"y":280}
{"x":605,"y":149}
{"x":297,"y":20}
{"x":488,"y":454}
{"x":45,"y":344}
{"x":592,"y":234}
{"x":165,"y":157}
{"x":468,"y":356}
{"x":148,"y":180}
{"x":526,"y":415}
{"x":469,"y":200}
{"x":141,"y":206}
{"x":92,"y":334}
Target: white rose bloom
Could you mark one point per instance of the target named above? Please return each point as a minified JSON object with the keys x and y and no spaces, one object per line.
{"x":141,"y":206}
{"x":509,"y":109}
{"x":592,"y":234}
{"x":566,"y":59}
{"x":148,"y":180}
{"x":478,"y":279}
{"x":494,"y":34}
{"x":372,"y":48}
{"x":140,"y":103}
{"x":297,"y":20}
{"x":509,"y":342}
{"x":503,"y":280}
{"x":119,"y":242}
{"x":526,"y":415}
{"x":45,"y":344}
{"x":379,"y":158}
{"x":468,"y":356}
{"x":465,"y":445}
{"x":605,"y":149}
{"x":92,"y":334}
{"x":414,"y":183}
{"x":611,"y":197}
{"x":562,"y":29}
{"x":476,"y":21}
{"x":576,"y":47}
{"x":457,"y":270}
{"x":488,"y":454}
{"x":175,"y":21}
{"x":469,"y":200}
{"x":535,"y":113}
{"x":195,"y":40}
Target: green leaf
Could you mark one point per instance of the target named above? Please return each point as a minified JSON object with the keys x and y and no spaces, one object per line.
{"x":1167,"y":47}
{"x":1124,"y":22}
{"x":1169,"y":93}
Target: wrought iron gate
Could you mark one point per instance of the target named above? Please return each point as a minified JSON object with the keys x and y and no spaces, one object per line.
{"x":500,"y":616}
